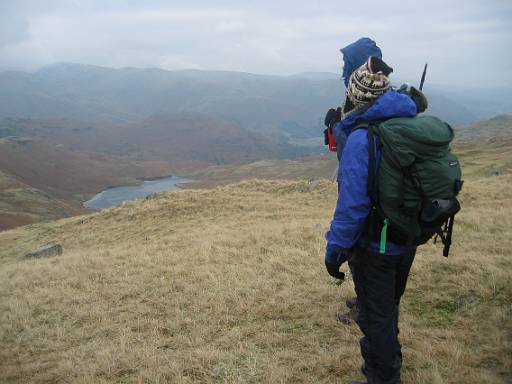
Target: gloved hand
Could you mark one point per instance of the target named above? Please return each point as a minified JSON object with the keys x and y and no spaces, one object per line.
{"x":334,"y":257}
{"x":419,"y":99}
{"x":332,"y":116}
{"x":416,"y":95}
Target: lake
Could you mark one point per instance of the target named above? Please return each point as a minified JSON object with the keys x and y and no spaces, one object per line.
{"x":115,"y":196}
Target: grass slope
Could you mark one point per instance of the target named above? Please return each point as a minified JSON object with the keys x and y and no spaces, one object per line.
{"x":228,"y":285}
{"x":485,"y":148}
{"x":311,"y":167}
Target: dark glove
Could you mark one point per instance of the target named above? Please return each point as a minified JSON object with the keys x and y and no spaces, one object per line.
{"x":419,"y":99}
{"x":326,"y":137}
{"x":416,"y":95}
{"x":332,"y":116}
{"x":334,"y":257}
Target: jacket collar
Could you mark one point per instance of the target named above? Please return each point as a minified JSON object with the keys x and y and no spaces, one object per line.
{"x":391,"y":104}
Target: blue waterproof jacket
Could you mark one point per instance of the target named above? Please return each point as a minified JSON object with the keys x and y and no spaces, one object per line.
{"x":354,"y":204}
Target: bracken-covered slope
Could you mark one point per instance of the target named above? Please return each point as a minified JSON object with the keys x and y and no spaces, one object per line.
{"x":228,"y":286}
{"x":184,"y":139}
{"x":21,"y":204}
{"x":40,"y":181}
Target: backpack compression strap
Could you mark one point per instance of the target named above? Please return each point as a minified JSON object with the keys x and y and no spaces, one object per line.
{"x":370,"y":188}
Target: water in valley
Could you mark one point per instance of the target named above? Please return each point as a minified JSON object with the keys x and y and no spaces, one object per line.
{"x":115,"y":196}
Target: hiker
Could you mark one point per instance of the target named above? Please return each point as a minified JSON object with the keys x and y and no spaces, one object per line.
{"x":379,"y":279}
{"x":354,"y":55}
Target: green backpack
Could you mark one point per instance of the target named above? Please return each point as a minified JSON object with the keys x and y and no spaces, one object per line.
{"x":414,"y":197}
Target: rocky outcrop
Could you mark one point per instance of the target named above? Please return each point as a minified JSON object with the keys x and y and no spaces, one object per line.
{"x":45,"y":251}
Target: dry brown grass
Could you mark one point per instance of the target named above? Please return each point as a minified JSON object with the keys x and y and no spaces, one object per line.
{"x":228,"y":286}
{"x":311,"y":167}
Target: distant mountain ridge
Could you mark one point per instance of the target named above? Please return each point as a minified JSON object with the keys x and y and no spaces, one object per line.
{"x":495,"y":128}
{"x":263,"y":103}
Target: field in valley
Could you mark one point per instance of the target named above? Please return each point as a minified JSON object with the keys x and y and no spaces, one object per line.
{"x":228,"y":286}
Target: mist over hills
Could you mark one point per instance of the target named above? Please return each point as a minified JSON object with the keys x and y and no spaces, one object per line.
{"x":279,"y":107}
{"x":127,"y":95}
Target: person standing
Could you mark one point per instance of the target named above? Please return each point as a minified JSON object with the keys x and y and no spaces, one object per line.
{"x":379,"y":275}
{"x":354,"y":55}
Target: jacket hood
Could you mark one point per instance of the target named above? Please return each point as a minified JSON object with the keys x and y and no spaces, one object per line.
{"x":355,"y":54}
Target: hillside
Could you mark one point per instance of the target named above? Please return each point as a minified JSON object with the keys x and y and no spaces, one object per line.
{"x":486,"y":147}
{"x":310,"y":168}
{"x":20,"y":204}
{"x":49,"y":167}
{"x":182,"y":139}
{"x":126,"y":95}
{"x":228,"y":285}
{"x":60,"y":171}
{"x":187,"y":138}
{"x":281,"y":107}
{"x":497,"y":127}
{"x":40,"y":181}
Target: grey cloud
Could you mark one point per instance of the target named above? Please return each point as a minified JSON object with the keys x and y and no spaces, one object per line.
{"x":462,"y":40}
{"x":13,"y":25}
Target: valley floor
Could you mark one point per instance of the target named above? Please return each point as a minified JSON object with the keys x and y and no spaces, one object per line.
{"x":228,"y":285}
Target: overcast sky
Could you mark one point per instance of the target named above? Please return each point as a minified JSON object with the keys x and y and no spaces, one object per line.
{"x":464,"y":41}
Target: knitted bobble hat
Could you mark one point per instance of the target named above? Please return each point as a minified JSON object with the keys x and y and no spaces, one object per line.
{"x":368,"y":82}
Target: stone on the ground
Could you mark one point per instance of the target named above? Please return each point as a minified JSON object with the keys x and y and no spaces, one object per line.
{"x":45,"y":251}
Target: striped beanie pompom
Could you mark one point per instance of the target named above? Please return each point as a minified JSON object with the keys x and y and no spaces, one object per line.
{"x":368,"y":82}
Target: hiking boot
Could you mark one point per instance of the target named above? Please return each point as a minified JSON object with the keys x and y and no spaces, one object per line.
{"x":351,"y":303}
{"x":349,"y":317}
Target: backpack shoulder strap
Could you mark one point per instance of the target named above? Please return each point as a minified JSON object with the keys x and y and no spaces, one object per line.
{"x":370,"y":128}
{"x":370,"y":188}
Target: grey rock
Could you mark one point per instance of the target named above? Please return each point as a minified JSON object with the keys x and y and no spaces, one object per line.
{"x":152,"y":196}
{"x":468,"y":300}
{"x":45,"y":251}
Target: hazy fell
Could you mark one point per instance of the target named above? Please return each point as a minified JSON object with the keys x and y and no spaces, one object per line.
{"x":278,"y":106}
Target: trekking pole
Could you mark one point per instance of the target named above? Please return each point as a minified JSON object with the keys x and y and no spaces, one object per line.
{"x":423,"y":76}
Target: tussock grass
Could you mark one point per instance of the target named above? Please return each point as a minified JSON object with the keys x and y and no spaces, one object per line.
{"x":228,"y":286}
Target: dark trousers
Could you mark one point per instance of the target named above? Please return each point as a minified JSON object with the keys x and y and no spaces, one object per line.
{"x":380,"y":283}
